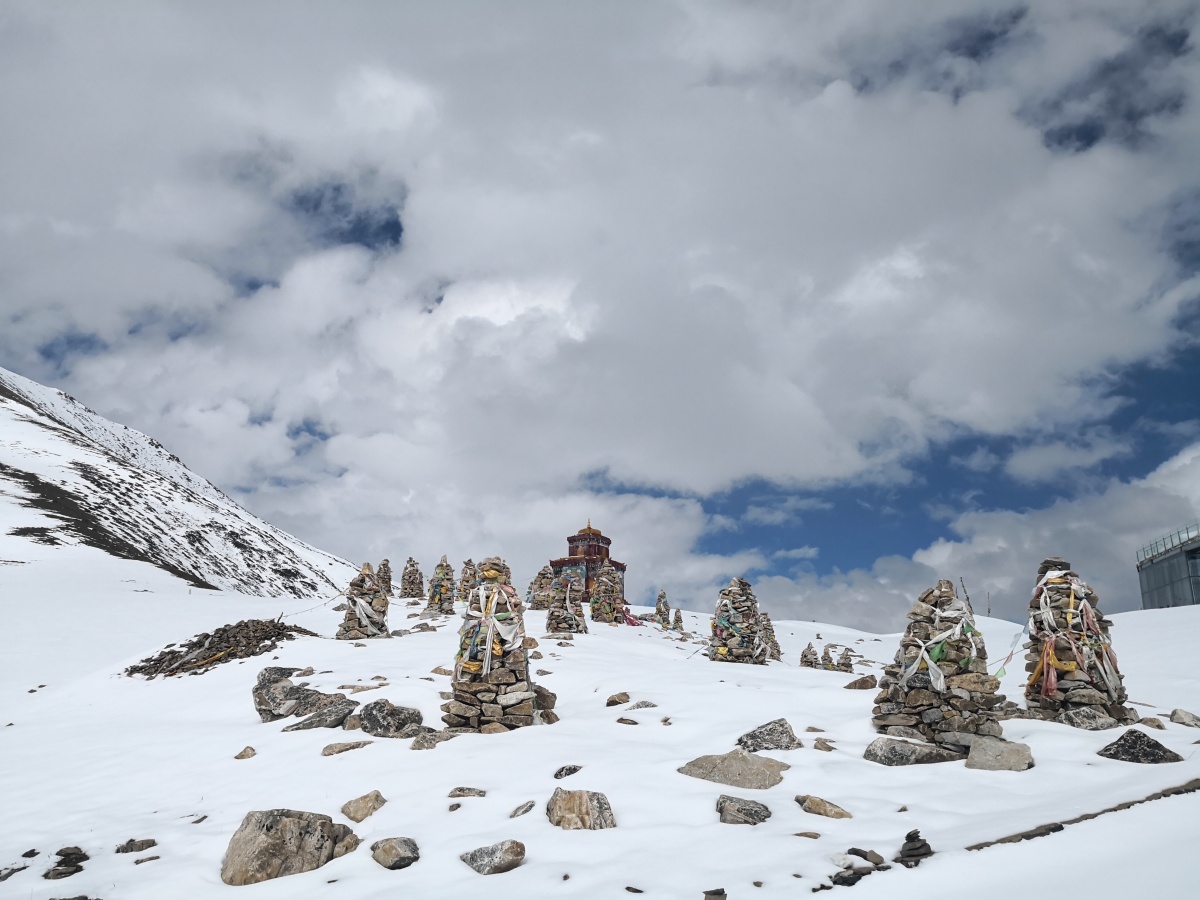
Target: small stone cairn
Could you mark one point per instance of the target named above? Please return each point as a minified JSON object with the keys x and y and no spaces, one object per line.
{"x":808,"y":657}
{"x":441,"y":589}
{"x":607,"y":604}
{"x":565,"y":613}
{"x":538,"y":595}
{"x":366,"y":608}
{"x":412,"y":581}
{"x":384,"y":576}
{"x":677,"y":620}
{"x":768,"y":632}
{"x":826,"y":659}
{"x":845,"y":661}
{"x":1073,"y":671}
{"x":736,"y":635}
{"x":466,"y":581}
{"x":938,"y":686}
{"x":662,"y":610}
{"x":492,"y":691}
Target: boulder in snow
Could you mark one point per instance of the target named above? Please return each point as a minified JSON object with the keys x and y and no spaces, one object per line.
{"x":276,"y":842}
{"x":495,"y":858}
{"x":739,"y":811}
{"x":395,"y":853}
{"x":737,"y":768}
{"x":774,"y":735}
{"x":576,"y":810}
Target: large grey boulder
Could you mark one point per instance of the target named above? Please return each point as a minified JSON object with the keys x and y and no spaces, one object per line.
{"x":495,"y":858}
{"x":739,"y":811}
{"x":774,"y":735}
{"x":395,"y":853}
{"x":889,"y":751}
{"x":381,"y":719}
{"x":575,"y":810}
{"x":997,"y":755}
{"x":1183,"y":717}
{"x":276,"y":842}
{"x":737,"y":768}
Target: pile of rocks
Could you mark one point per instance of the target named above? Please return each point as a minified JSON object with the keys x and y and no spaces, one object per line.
{"x":249,"y":637}
{"x":768,"y":632}
{"x":492,"y":691}
{"x":914,"y":849}
{"x":845,"y":661}
{"x":466,"y":581}
{"x":662,"y":610}
{"x":565,"y":613}
{"x":677,"y":620}
{"x":384,"y":576}
{"x":365,"y":609}
{"x":441,"y":589}
{"x":808,"y":657}
{"x":736,"y":635}
{"x":538,"y":595}
{"x":607,"y":603}
{"x":412,"y":581}
{"x":938,"y":689}
{"x":1073,"y":672}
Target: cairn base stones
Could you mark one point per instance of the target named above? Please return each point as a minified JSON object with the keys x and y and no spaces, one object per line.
{"x":538,"y":595}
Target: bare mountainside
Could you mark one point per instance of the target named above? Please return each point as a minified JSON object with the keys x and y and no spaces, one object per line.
{"x":87,"y":480}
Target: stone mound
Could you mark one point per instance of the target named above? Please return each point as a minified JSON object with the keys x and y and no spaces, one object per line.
{"x":249,"y":637}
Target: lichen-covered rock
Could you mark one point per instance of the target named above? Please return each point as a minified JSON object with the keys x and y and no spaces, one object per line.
{"x":495,"y":858}
{"x":888,"y":751}
{"x":739,"y":811}
{"x":737,"y":768}
{"x":380,"y":718}
{"x":1138,"y":747}
{"x":818,"y":807}
{"x":331,"y":715}
{"x":998,"y":755}
{"x":361,"y":807}
{"x":774,"y":735}
{"x":395,"y":853}
{"x":277,"y":842}
{"x":576,"y":810}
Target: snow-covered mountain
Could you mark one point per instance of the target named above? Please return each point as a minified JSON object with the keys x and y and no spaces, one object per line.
{"x":73,"y":477}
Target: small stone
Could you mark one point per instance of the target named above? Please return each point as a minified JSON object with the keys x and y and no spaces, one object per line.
{"x":813,"y":835}
{"x":541,"y":672}
{"x":361,"y":807}
{"x":136,"y":846}
{"x":642,"y":704}
{"x":822,"y":744}
{"x":818,"y":807}
{"x":145,"y":859}
{"x":739,"y":811}
{"x":814,"y":728}
{"x":455,"y":806}
{"x":625,"y":721}
{"x":440,"y":670}
{"x":1138,"y":747}
{"x":865,"y":683}
{"x":246,"y":753}
{"x":467,"y":792}
{"x":495,"y":858}
{"x":395,"y":853}
{"x":522,"y":809}
{"x":334,"y":749}
{"x":564,"y":771}
{"x":617,"y":699}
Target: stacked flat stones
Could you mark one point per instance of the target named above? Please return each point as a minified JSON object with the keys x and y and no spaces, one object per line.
{"x":808,"y":657}
{"x":938,"y":687}
{"x":826,"y":658}
{"x":845,"y":661}
{"x":366,"y":608}
{"x":565,"y":613}
{"x":768,"y":632}
{"x":736,"y":635}
{"x":492,"y":691}
{"x":384,"y":576}
{"x":1073,"y":671}
{"x":441,"y":589}
{"x":538,"y":595}
{"x":412,"y":581}
{"x":466,"y":581}
{"x":607,"y":603}
{"x":677,"y":620}
{"x":662,"y":610}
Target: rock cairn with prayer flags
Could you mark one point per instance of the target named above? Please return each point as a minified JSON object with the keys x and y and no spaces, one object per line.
{"x":412,"y":581}
{"x":384,"y":576}
{"x":662,"y":610}
{"x":565,"y":613}
{"x":768,"y":632}
{"x":736,"y":633}
{"x":441,"y":589}
{"x":538,"y":595}
{"x":826,"y":658}
{"x":1073,"y":677}
{"x":845,"y":661}
{"x":938,"y":687}
{"x":607,"y":604}
{"x":492,"y":691}
{"x":466,"y":581}
{"x":366,"y":608}
{"x":677,"y":620}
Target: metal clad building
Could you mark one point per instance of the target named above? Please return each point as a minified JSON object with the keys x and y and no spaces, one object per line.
{"x":1169,"y":570}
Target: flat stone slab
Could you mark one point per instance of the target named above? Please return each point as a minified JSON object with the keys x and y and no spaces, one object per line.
{"x":495,"y":858}
{"x":737,"y":768}
{"x":888,"y":751}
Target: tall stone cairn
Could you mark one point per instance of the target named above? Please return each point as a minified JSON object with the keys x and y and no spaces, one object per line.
{"x":607,"y":603}
{"x":492,"y":691}
{"x":736,"y":635}
{"x":677,"y":620}
{"x":384,"y":576}
{"x":441,"y":589}
{"x":366,"y":608}
{"x":1074,"y":677}
{"x":565,"y":612}
{"x":768,"y":632}
{"x":662,"y":610}
{"x":938,"y":686}
{"x":538,"y":595}
{"x":845,"y":662}
{"x":466,"y":581}
{"x":808,"y":657}
{"x":412,"y":581}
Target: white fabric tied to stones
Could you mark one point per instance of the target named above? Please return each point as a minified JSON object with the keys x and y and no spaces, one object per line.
{"x":1105,"y":662}
{"x":487,"y":613}
{"x":366,"y":616}
{"x":958,"y":612}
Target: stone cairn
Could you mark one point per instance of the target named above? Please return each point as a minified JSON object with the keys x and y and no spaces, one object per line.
{"x":938,"y":687}
{"x":768,"y":632}
{"x":412,"y":581}
{"x":662,"y":610}
{"x":466,"y":581}
{"x":366,"y":608}
{"x":736,"y":635}
{"x":808,"y":658}
{"x":492,"y":691}
{"x":565,"y":613}
{"x":826,"y":659}
{"x":384,"y":576}
{"x":607,"y":603}
{"x":845,"y":661}
{"x":441,"y":589}
{"x":538,"y":595}
{"x":1073,"y":671}
{"x":677,"y":620}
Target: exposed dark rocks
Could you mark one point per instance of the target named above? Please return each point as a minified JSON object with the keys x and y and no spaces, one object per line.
{"x":249,"y":637}
{"x":774,"y":735}
{"x":739,"y":811}
{"x":495,"y":858}
{"x":1138,"y":747}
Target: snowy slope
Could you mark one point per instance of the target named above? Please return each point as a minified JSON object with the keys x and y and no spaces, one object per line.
{"x":110,"y":487}
{"x":97,"y":759}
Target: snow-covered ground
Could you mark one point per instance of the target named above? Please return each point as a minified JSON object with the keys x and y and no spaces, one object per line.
{"x":93,"y":759}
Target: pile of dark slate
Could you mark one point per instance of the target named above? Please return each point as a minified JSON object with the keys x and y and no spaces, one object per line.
{"x":412,"y":581}
{"x":538,"y":595}
{"x":249,"y":637}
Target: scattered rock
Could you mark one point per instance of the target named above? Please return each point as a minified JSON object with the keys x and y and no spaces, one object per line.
{"x":137,"y":846}
{"x":823,"y":745}
{"x":642,"y":704}
{"x":395,"y":852}
{"x":739,"y":811}
{"x":774,"y":735}
{"x":812,"y":835}
{"x":996,"y":754}
{"x":819,"y":807}
{"x":1086,"y":718}
{"x":335,"y":749}
{"x":9,"y":871}
{"x":145,"y":859}
{"x":495,"y":858}
{"x":276,"y":842}
{"x":1138,"y":747}
{"x":575,"y":810}
{"x":455,"y":806}
{"x":467,"y":792}
{"x":70,"y":862}
{"x":360,"y":807}
{"x":865,"y":683}
{"x":617,"y":699}
{"x":382,"y":719}
{"x":430,"y":739}
{"x":522,"y":809}
{"x":737,"y":768}
{"x":246,"y":753}
{"x":1183,"y":717}
{"x":625,"y":721}
{"x":1152,"y":722}
{"x":889,"y":751}
{"x":331,"y":715}
{"x":564,"y":771}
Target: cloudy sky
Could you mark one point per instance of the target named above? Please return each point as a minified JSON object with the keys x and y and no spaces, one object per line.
{"x":840,"y":296}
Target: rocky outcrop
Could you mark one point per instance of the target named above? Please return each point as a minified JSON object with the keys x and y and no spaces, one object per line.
{"x":277,"y":842}
{"x":1138,"y":747}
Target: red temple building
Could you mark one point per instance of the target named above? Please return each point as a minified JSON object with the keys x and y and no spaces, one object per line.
{"x":587,"y":551}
